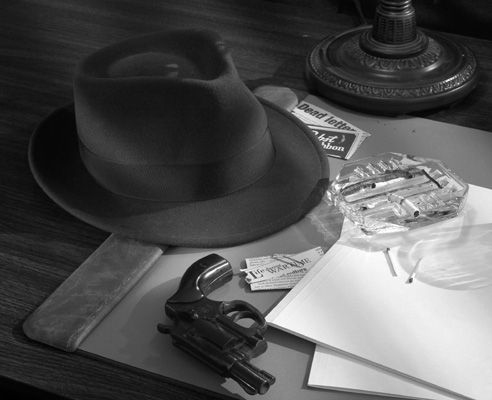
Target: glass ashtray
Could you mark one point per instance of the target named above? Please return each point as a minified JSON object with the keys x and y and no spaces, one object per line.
{"x":394,"y":192}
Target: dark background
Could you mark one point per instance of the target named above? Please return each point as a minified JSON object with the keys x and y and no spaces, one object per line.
{"x":41,"y":41}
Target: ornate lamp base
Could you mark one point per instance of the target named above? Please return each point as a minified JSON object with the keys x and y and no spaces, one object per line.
{"x":360,"y":72}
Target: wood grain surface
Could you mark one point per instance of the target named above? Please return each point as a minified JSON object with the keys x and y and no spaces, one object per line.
{"x":40,"y":244}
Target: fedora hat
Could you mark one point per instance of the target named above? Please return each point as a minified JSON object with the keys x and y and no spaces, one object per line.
{"x":165,"y":143}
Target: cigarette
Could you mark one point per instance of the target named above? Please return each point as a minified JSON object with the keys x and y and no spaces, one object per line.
{"x":389,"y":261}
{"x":413,"y":274}
{"x":406,"y":204}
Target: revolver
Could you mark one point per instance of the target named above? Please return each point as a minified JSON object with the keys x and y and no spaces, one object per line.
{"x":208,"y":329}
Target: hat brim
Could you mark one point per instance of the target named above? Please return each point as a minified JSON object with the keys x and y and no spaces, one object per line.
{"x":293,"y":186}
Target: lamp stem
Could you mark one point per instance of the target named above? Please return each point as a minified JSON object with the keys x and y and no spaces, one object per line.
{"x":394,"y":22}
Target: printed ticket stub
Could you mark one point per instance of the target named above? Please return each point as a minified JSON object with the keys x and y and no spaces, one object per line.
{"x":287,"y":281}
{"x":263,"y":268}
{"x":280,"y":271}
{"x":272,"y":268}
{"x":338,"y":137}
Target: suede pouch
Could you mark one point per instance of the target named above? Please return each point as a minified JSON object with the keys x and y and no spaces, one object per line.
{"x":70,"y":313}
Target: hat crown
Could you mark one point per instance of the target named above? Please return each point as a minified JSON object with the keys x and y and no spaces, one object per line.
{"x":157,"y":110}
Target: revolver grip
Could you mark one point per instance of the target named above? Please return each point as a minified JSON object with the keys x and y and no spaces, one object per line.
{"x":202,"y":278}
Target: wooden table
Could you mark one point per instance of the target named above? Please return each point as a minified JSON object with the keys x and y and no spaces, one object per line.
{"x":40,"y":244}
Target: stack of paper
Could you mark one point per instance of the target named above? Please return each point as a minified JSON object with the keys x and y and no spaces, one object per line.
{"x":334,"y":370}
{"x":374,"y":326}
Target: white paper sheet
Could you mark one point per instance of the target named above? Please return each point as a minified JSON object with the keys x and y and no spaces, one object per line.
{"x":350,"y":302}
{"x":331,"y":370}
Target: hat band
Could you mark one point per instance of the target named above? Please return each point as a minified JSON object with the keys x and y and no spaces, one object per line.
{"x":182,"y":182}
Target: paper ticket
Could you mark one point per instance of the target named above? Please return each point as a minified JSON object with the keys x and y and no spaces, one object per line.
{"x":287,"y":281}
{"x":262,"y":268}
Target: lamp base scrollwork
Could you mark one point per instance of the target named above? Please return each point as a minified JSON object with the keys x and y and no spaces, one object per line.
{"x":363,"y":70}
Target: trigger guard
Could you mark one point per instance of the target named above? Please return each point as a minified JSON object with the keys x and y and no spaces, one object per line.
{"x":242,"y":310}
{"x":236,"y":316}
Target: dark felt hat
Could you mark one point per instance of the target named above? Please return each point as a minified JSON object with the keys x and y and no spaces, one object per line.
{"x":165,"y":143}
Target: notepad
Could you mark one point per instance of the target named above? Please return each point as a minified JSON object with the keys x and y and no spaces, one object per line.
{"x":440,"y":337}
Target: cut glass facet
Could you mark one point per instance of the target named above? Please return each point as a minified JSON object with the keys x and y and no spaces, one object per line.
{"x":394,"y":192}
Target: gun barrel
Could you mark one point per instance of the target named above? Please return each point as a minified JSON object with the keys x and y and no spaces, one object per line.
{"x":252,"y":379}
